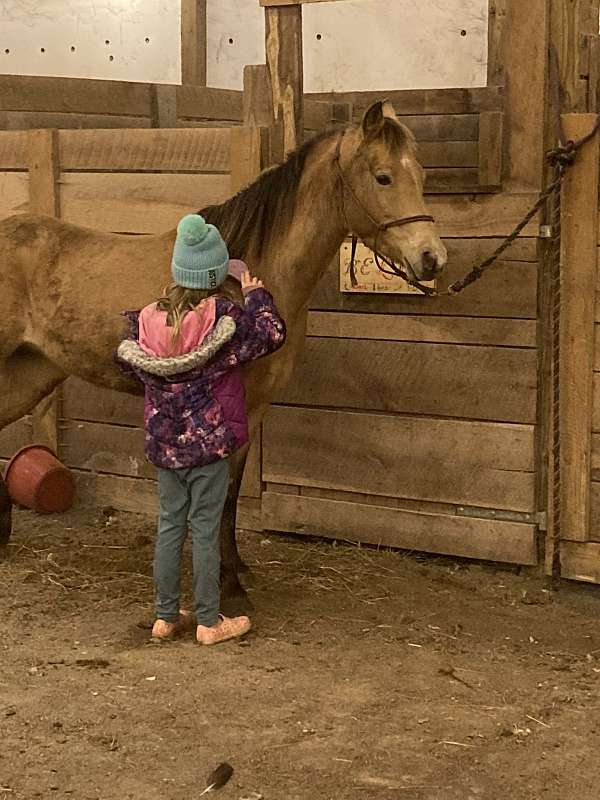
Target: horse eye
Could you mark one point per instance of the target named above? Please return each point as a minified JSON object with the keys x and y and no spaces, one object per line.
{"x":383,"y":180}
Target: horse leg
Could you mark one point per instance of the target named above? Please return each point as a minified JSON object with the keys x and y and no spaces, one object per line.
{"x":234,"y":598}
{"x":26,"y":377}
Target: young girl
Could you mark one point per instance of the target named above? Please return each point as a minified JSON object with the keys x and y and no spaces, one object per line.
{"x":187,"y":349}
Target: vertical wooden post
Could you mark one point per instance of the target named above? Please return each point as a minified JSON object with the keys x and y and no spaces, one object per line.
{"x":283,"y":28}
{"x":164,"y":105}
{"x":44,"y":171}
{"x":573,"y":21}
{"x":579,"y":266}
{"x":497,"y":16}
{"x":193,"y":42}
{"x":258,"y":113}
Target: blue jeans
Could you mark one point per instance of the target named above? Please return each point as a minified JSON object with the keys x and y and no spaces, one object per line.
{"x":196,"y":495}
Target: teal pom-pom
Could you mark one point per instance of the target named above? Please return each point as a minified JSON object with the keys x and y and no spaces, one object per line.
{"x":192,"y":229}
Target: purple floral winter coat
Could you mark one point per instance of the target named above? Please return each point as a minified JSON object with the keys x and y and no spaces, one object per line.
{"x":195,"y":411}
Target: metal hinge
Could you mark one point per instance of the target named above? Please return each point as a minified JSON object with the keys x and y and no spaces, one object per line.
{"x":541,"y":519}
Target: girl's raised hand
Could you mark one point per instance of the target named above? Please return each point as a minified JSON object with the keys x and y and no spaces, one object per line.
{"x":249,"y":283}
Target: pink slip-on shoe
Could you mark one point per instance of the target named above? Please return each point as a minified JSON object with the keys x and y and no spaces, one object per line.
{"x":165,"y":631}
{"x":225,"y":629}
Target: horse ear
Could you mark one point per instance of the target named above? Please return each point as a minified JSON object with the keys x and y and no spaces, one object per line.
{"x":389,"y":111}
{"x":373,"y":120}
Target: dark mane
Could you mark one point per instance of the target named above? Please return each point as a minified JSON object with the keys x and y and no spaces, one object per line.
{"x":265,"y":208}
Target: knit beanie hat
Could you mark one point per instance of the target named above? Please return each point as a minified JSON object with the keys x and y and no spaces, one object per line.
{"x":200,"y":256}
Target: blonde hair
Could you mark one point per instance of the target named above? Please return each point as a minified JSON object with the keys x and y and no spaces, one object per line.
{"x":178,"y":301}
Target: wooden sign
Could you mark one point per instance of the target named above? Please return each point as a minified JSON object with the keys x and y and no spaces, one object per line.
{"x":370,"y":279}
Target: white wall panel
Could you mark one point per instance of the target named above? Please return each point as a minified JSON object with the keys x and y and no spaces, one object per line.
{"x":235,"y":37}
{"x":135,"y":40}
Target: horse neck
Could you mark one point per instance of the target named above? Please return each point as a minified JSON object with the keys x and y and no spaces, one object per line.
{"x":294,"y":262}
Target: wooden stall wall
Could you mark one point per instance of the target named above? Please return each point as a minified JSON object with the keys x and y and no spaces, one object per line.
{"x":133,"y":182}
{"x":412,"y":422}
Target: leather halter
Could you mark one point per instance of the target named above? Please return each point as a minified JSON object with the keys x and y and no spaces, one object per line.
{"x":381,"y":227}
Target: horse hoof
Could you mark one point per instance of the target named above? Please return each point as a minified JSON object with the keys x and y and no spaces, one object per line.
{"x":236,"y":605}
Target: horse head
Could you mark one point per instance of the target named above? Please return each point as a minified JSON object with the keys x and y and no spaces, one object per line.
{"x":383,"y":193}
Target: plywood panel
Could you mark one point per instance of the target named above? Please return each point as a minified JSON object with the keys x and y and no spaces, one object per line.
{"x":388,"y":527}
{"x":137,"y":203}
{"x":98,"y":447}
{"x":195,"y":150}
{"x":14,"y":193}
{"x":413,"y":328}
{"x":492,"y":383}
{"x":452,"y":461}
{"x":84,"y":401}
{"x":508,"y":289}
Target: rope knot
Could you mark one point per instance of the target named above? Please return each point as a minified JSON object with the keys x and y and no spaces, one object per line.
{"x":563,"y":155}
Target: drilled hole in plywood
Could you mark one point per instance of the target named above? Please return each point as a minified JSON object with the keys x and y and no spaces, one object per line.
{"x":230,"y":40}
{"x":107,"y":42}
{"x":319,"y":37}
{"x":72,"y":48}
{"x":7,"y":51}
{"x":42,"y":49}
{"x":147,"y":40}
{"x":463,"y":32}
{"x":111,"y":58}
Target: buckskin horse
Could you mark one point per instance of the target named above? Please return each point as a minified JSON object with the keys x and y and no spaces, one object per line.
{"x":63,"y":287}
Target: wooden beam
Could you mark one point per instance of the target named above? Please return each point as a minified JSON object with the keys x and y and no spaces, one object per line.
{"x":44,"y":171}
{"x":272,"y":3}
{"x":193,"y":42}
{"x":163,"y":109}
{"x":578,"y":282}
{"x":571,"y":22}
{"x":283,"y":29}
{"x":490,"y":148}
{"x":497,"y":17}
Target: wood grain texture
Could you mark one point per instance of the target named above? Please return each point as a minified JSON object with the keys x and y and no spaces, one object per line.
{"x":507,"y":290}
{"x":495,"y":215}
{"x":208,"y":103}
{"x":86,"y":402}
{"x":13,"y":150}
{"x":193,"y":42}
{"x":283,"y":43}
{"x":580,"y":561}
{"x":164,"y":106}
{"x":28,"y":120}
{"x":192,"y":150}
{"x":579,"y":235}
{"x":137,"y":203}
{"x":422,"y":101}
{"x":497,"y":19}
{"x":413,"y":328}
{"x":257,"y":98}
{"x":388,"y":527}
{"x":488,"y":383}
{"x":98,"y":447}
{"x":442,"y":127}
{"x":14,"y":193}
{"x":453,"y":461}
{"x":14,"y":437}
{"x":490,"y":148}
{"x":245,"y":156}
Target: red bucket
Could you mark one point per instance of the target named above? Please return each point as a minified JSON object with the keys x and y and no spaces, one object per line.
{"x":36,"y":479}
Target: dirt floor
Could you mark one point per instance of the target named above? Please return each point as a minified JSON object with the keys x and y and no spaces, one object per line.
{"x":369,"y":675}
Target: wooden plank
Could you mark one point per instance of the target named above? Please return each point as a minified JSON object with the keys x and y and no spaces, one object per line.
{"x":387,"y":527}
{"x":258,"y":100}
{"x":596,"y":402}
{"x":580,"y":561}
{"x":111,"y":449}
{"x":453,"y":461}
{"x":497,"y":19}
{"x":579,"y":231}
{"x":423,"y":101}
{"x":164,"y":106}
{"x":181,"y":150}
{"x":193,"y":42}
{"x":449,"y":154}
{"x":251,"y":485}
{"x":74,"y":95}
{"x":524,"y":56}
{"x":15,"y":436}
{"x":245,"y":156}
{"x":413,"y":328}
{"x":487,"y":383}
{"x":84,"y":401}
{"x":202,"y":102}
{"x":442,"y":127}
{"x":135,"y":495}
{"x":137,"y":203}
{"x":594,"y":530}
{"x":507,"y":290}
{"x":271,"y":3}
{"x":496,"y":215}
{"x":453,"y":181}
{"x":13,"y":150}
{"x":27,"y":120}
{"x":44,"y":169}
{"x":570,"y":21}
{"x":490,"y":148}
{"x":14,"y":193}
{"x":248,"y":514}
{"x":283,"y":44}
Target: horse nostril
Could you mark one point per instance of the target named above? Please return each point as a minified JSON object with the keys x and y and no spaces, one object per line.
{"x":429,"y":260}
